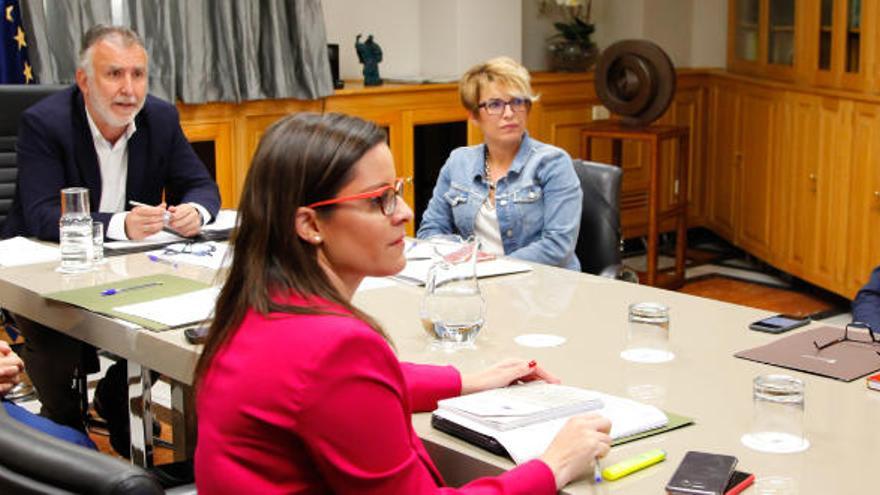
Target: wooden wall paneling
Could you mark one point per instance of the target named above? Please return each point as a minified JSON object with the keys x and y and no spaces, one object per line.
{"x":221,"y":134}
{"x":863,"y":248}
{"x":758,"y":107}
{"x":724,"y":158}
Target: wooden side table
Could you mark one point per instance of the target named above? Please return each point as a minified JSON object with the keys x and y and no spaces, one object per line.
{"x":654,"y":136}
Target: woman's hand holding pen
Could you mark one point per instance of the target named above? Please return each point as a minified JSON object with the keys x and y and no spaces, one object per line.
{"x":503,"y":374}
{"x":577,"y":447}
{"x":143,"y":221}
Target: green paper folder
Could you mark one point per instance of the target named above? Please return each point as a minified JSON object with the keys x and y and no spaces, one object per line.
{"x":675,"y":421}
{"x":91,"y":298}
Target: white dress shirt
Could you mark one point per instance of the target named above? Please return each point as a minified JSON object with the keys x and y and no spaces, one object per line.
{"x":113,"y":164}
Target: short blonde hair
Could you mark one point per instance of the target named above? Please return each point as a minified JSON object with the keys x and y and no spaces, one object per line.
{"x":503,"y":70}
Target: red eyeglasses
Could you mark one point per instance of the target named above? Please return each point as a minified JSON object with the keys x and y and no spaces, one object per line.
{"x":385,"y":197}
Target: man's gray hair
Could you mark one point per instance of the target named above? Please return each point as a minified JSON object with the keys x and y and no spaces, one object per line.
{"x":100,"y":32}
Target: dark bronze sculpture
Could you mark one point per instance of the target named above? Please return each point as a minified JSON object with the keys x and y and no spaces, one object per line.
{"x":636,"y":80}
{"x":369,"y":54}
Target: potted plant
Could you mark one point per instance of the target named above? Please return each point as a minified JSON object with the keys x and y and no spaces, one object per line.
{"x":571,"y":48}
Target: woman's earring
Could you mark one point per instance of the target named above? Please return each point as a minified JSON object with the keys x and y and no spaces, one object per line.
{"x":317,"y":238}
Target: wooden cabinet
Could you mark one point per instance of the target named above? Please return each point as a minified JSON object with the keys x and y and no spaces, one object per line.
{"x":743,"y":165}
{"x":815,"y":184}
{"x":764,"y":37}
{"x":724,"y":158}
{"x":863,"y":233}
{"x":827,"y":43}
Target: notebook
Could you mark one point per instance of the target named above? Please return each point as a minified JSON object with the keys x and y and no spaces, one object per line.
{"x":523,"y":443}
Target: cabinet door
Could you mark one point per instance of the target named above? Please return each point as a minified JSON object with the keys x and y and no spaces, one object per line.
{"x":724,"y":158}
{"x":815,"y":175}
{"x":757,"y":167}
{"x":863,"y":248}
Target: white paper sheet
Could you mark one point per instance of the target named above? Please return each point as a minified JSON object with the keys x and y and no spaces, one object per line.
{"x":19,"y":251}
{"x":176,"y":311}
{"x":225,"y":220}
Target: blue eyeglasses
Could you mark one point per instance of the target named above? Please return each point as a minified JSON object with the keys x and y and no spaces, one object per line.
{"x":495,"y":106}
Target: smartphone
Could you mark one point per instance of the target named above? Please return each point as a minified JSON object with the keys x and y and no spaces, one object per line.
{"x":196,"y":335}
{"x":702,"y":473}
{"x":739,"y":481}
{"x":779,"y":323}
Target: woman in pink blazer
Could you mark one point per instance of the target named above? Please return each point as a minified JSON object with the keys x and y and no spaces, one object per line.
{"x":298,"y":390}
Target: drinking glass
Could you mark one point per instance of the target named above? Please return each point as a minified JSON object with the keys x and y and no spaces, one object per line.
{"x":647,"y":339}
{"x":777,"y":415}
{"x":453,"y":307}
{"x":98,"y":243}
{"x":75,"y":228}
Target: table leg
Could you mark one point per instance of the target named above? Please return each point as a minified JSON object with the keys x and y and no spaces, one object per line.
{"x":183,"y":421}
{"x":140,"y":418}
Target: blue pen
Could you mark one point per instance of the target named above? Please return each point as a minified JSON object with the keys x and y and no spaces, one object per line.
{"x":157,"y":259}
{"x":110,"y":292}
{"x":597,"y":471}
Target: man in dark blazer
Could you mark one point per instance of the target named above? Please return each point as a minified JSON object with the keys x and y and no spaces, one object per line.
{"x":866,"y":305}
{"x":105,"y":134}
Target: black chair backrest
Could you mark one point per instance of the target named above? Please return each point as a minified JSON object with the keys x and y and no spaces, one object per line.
{"x":598,"y":244}
{"x":14,"y":100}
{"x":32,"y":462}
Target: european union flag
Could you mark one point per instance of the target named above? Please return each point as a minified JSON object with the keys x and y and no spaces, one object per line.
{"x":14,"y":64}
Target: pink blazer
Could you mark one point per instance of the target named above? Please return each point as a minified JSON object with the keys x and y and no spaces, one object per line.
{"x":320,"y":404}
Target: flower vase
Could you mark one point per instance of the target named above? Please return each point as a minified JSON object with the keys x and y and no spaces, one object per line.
{"x":569,"y":56}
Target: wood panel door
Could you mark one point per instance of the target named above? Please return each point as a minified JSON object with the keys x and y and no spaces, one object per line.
{"x":863,"y":248}
{"x":724,"y":158}
{"x":758,"y":112}
{"x":815,"y":176}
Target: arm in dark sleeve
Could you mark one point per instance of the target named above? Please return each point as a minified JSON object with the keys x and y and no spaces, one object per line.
{"x":866,"y":305}
{"x":188,"y":180}
{"x":358,"y":426}
{"x":40,"y":178}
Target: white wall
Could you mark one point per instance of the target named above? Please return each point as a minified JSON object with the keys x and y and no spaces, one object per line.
{"x":425,"y":37}
{"x":709,"y":34}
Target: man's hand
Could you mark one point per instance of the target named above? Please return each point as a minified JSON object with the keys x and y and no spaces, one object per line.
{"x":11,"y":367}
{"x":144,"y":221}
{"x":185,"y":220}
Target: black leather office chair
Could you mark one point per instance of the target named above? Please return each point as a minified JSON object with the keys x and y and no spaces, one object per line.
{"x":32,"y":462}
{"x":14,"y":100}
{"x":598,"y":246}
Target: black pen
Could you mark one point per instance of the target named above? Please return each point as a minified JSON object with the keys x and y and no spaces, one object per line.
{"x":110,"y":292}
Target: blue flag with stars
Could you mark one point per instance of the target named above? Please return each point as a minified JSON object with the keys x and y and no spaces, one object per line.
{"x":15,"y":68}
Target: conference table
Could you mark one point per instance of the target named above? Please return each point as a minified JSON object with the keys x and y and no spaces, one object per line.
{"x":704,"y":381}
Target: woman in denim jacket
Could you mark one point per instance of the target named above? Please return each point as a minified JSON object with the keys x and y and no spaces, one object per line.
{"x":518,"y":196}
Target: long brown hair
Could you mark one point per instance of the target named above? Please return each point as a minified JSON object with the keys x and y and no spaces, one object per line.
{"x":301,"y":159}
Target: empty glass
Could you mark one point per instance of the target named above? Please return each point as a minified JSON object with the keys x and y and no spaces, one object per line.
{"x":453,"y":307}
{"x":75,"y":229}
{"x":777,"y":415}
{"x":647,"y":338}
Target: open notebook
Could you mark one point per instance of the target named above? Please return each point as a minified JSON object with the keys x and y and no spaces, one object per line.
{"x":628,"y":418}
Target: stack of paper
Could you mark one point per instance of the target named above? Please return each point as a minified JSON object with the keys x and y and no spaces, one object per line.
{"x":527,"y":442}
{"x":19,"y":251}
{"x":176,"y":311}
{"x":522,"y":405}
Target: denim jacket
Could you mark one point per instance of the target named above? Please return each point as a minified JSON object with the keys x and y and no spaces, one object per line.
{"x":538,"y":202}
